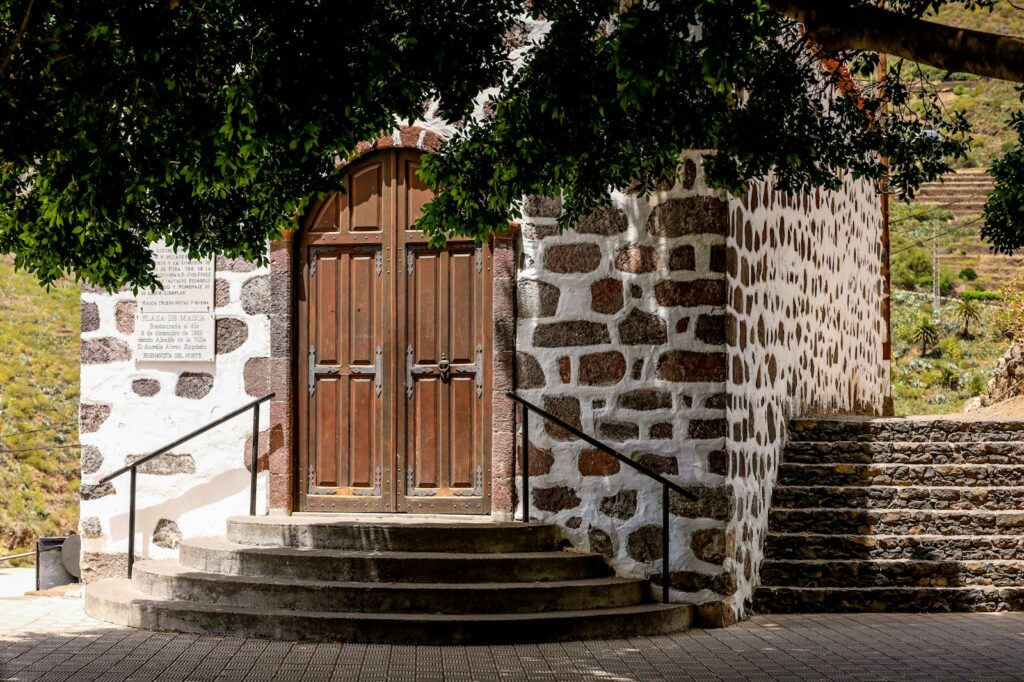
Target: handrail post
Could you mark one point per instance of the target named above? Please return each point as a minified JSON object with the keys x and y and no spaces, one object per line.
{"x":664,"y":544}
{"x":131,"y":522}
{"x":255,"y":458}
{"x":526,"y":464}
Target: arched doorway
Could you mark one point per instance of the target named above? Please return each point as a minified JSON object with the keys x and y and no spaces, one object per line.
{"x":394,"y":352}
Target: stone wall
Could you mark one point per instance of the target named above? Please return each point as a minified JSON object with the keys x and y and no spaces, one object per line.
{"x":129,"y":408}
{"x":621,"y":331}
{"x":805,"y":333}
{"x":685,"y":331}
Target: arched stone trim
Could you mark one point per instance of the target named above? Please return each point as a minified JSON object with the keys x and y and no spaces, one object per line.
{"x":284,"y":267}
{"x":409,"y":137}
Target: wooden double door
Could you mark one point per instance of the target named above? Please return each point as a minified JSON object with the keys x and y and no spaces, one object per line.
{"x":394,"y":389}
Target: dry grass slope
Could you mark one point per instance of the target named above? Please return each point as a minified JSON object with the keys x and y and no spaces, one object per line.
{"x":39,"y":354}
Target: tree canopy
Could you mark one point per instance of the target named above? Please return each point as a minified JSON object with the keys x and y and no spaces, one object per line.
{"x":213,"y":125}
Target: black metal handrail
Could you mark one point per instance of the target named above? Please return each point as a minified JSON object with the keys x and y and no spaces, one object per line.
{"x":25,"y":555}
{"x":253,"y":405}
{"x":666,"y":485}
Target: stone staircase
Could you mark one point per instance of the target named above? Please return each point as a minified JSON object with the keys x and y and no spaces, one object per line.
{"x":897,"y":515}
{"x":456,"y":580}
{"x":963,"y":193}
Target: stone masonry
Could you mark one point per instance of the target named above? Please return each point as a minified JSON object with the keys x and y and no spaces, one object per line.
{"x":685,"y":331}
{"x":129,"y":408}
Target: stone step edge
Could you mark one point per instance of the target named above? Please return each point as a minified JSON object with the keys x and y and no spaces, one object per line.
{"x":919,"y":465}
{"x":839,"y":488}
{"x":894,"y":588}
{"x":112,"y":588}
{"x":900,"y":510}
{"x":222,"y":545}
{"x":895,"y":536}
{"x":896,"y":562}
{"x":161,"y":568}
{"x":115,"y":601}
{"x":329,"y":520}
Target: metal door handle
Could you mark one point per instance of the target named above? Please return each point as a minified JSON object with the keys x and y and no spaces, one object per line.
{"x":444,"y":365}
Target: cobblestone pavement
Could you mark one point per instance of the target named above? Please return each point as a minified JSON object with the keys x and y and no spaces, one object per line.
{"x":46,"y":638}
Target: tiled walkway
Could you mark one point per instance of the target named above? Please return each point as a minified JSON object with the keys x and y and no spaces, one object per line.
{"x":52,"y":639}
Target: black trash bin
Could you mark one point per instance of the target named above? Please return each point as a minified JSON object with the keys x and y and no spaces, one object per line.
{"x":50,"y":568}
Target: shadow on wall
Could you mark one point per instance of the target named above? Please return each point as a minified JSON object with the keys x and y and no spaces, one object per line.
{"x":223,"y":486}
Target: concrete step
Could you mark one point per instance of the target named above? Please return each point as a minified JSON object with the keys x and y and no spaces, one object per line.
{"x":782,"y":546}
{"x":958,"y":475}
{"x":904,"y":452}
{"x":115,"y":601}
{"x":892,"y":573}
{"x":899,"y":497}
{"x":217,"y":555}
{"x":824,"y":521}
{"x":396,"y":534}
{"x":170,"y":580}
{"x":903,"y":429}
{"x":888,"y":599}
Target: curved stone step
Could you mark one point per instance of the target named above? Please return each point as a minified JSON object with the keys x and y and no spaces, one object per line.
{"x":947,"y":475}
{"x":935,"y":547}
{"x":395,"y":534}
{"x":892,"y":573}
{"x":887,"y":599}
{"x":824,"y":521}
{"x":904,"y":452}
{"x":216,"y":555}
{"x":115,"y":601}
{"x":899,"y":497}
{"x":170,"y":580}
{"x":904,"y":429}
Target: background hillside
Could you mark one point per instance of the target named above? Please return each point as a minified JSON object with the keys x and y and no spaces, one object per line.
{"x":943,"y":376}
{"x":39,"y":354}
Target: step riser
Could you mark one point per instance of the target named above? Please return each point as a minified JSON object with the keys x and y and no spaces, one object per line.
{"x":950,"y":475}
{"x":891,"y":574}
{"x":963,"y":499}
{"x":370,"y":568}
{"x":858,"y":522}
{"x":966,"y":600}
{"x":790,"y":547}
{"x":368,"y":538}
{"x":940,"y":431}
{"x":386,"y":599}
{"x":292,"y":626}
{"x":905,"y":453}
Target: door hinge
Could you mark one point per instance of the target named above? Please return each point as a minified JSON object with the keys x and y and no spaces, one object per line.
{"x":412,"y":491}
{"x":314,"y":370}
{"x":477,"y":490}
{"x":378,"y":379}
{"x":479,"y":371}
{"x":411,"y":371}
{"x":376,"y":487}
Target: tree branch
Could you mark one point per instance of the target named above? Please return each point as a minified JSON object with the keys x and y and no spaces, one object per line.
{"x":17,"y":39}
{"x":837,"y":26}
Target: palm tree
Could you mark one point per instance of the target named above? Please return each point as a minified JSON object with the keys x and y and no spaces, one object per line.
{"x":926,"y":334}
{"x":968,"y":312}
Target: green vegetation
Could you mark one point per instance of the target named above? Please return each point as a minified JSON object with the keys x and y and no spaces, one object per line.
{"x":951,"y":367}
{"x":38,"y":393}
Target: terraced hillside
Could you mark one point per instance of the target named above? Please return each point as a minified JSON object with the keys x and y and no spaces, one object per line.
{"x":39,"y":342}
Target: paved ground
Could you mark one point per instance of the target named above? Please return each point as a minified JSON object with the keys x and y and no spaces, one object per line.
{"x":15,"y":582}
{"x":46,"y":638}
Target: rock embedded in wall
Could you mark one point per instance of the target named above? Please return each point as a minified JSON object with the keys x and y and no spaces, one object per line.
{"x":91,"y":416}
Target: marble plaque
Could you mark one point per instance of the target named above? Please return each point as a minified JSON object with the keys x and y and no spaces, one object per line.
{"x":176,"y":324}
